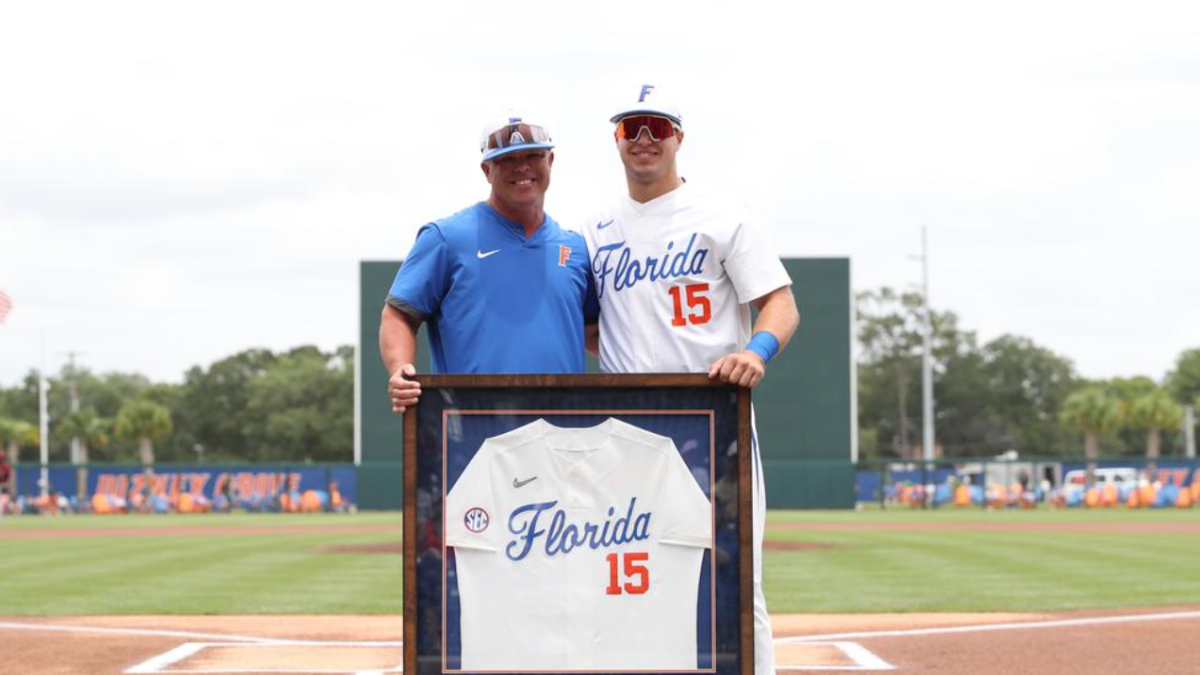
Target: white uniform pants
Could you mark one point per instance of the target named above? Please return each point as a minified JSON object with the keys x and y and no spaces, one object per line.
{"x":764,"y":642}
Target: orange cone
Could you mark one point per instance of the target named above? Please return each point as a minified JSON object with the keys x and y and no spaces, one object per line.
{"x":1184,"y":501}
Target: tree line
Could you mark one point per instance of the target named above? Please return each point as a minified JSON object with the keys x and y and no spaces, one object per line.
{"x":254,"y":406}
{"x":259,"y":406}
{"x":1005,"y":394}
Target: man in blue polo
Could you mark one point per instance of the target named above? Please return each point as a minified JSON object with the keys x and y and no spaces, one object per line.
{"x":502,"y":287}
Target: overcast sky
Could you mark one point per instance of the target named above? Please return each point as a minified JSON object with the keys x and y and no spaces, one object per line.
{"x":181,"y":181}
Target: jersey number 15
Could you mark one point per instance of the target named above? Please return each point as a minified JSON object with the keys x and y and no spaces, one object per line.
{"x":633,"y":570}
{"x":698,"y":305}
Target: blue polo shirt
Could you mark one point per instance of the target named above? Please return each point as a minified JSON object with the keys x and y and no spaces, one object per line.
{"x":494,"y":300}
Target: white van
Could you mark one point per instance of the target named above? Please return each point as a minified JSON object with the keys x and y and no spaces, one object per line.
{"x":1119,"y":476}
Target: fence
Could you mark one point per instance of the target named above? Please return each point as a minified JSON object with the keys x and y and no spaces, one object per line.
{"x":1028,"y":483}
{"x":187,"y":488}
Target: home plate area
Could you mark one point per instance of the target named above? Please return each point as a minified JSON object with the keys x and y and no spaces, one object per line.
{"x":236,"y":657}
{"x":1097,"y":642}
{"x":844,"y":656}
{"x":380,"y":658}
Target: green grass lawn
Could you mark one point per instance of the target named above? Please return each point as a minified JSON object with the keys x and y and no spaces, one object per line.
{"x":874,"y":514}
{"x":175,"y":520}
{"x":278,"y":573}
{"x":882,"y":570}
{"x":894,"y":570}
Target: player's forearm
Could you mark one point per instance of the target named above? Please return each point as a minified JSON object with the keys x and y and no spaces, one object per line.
{"x":778,"y":315}
{"x":397,"y":339}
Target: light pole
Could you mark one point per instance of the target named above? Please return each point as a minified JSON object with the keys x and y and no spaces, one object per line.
{"x":44,"y":422}
{"x":73,"y":389}
{"x":1189,"y":431}
{"x":927,"y":431}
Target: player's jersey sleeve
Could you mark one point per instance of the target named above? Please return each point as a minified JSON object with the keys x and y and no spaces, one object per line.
{"x":424,"y":278}
{"x":687,"y":513}
{"x":471,"y":509}
{"x":751,"y":261}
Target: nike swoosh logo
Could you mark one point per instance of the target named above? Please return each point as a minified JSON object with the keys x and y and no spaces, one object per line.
{"x":481,"y":255}
{"x":523,"y":483}
{"x":601,"y":226}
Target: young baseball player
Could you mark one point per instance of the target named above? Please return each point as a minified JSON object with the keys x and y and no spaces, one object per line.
{"x":503,"y":288}
{"x":676,"y":270}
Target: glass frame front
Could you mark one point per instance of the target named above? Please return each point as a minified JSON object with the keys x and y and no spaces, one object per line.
{"x":708,"y":425}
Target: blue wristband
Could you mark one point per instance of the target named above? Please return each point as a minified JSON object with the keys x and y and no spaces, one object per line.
{"x":764,"y":344}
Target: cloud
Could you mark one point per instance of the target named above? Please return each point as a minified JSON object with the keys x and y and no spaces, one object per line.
{"x":179,"y":182}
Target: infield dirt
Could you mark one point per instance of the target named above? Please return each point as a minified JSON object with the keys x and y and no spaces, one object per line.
{"x":1139,"y":641}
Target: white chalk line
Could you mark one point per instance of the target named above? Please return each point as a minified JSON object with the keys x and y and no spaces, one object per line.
{"x":162,"y":663}
{"x":158,"y":663}
{"x":983,"y":628}
{"x":861,"y":656}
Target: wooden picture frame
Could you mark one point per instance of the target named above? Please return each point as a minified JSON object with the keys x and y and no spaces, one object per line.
{"x":651,"y":401}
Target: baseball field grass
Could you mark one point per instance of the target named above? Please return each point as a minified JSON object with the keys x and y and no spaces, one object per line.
{"x":975,"y":560}
{"x":200,"y":564}
{"x":825,"y":561}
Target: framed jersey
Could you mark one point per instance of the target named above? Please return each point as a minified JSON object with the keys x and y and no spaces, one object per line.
{"x":577,"y":524}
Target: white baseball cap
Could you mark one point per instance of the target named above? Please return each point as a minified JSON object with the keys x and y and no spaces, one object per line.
{"x":512,"y":133}
{"x":651,"y":101}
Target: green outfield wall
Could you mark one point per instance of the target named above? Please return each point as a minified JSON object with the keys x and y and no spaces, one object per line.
{"x":378,"y":434}
{"x":804,"y":406}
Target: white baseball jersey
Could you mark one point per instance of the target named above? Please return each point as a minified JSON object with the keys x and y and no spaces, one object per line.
{"x":578,"y":549}
{"x":675,"y":277}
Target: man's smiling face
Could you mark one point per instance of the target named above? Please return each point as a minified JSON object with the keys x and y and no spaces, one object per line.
{"x":520,"y":179}
{"x":647,"y":160}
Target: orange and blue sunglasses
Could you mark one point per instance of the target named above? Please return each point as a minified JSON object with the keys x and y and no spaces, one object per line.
{"x":659,"y":128}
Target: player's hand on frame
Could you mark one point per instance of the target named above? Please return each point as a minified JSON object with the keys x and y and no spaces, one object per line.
{"x":402,"y":389}
{"x":745,"y":369}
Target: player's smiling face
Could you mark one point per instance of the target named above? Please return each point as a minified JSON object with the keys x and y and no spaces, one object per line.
{"x":520,"y":179}
{"x":647,"y":160}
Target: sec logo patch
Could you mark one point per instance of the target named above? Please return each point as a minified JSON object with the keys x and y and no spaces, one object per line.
{"x":476,"y":520}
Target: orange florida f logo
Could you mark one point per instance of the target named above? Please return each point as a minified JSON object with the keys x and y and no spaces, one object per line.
{"x":564,"y":254}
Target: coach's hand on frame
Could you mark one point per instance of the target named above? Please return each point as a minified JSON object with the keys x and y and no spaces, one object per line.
{"x":744,"y":368}
{"x":402,"y":389}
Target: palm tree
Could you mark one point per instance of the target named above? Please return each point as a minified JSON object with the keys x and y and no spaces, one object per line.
{"x":1154,"y":412}
{"x":147,"y":423}
{"x":89,"y":430}
{"x":15,"y":434}
{"x":1092,"y":411}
